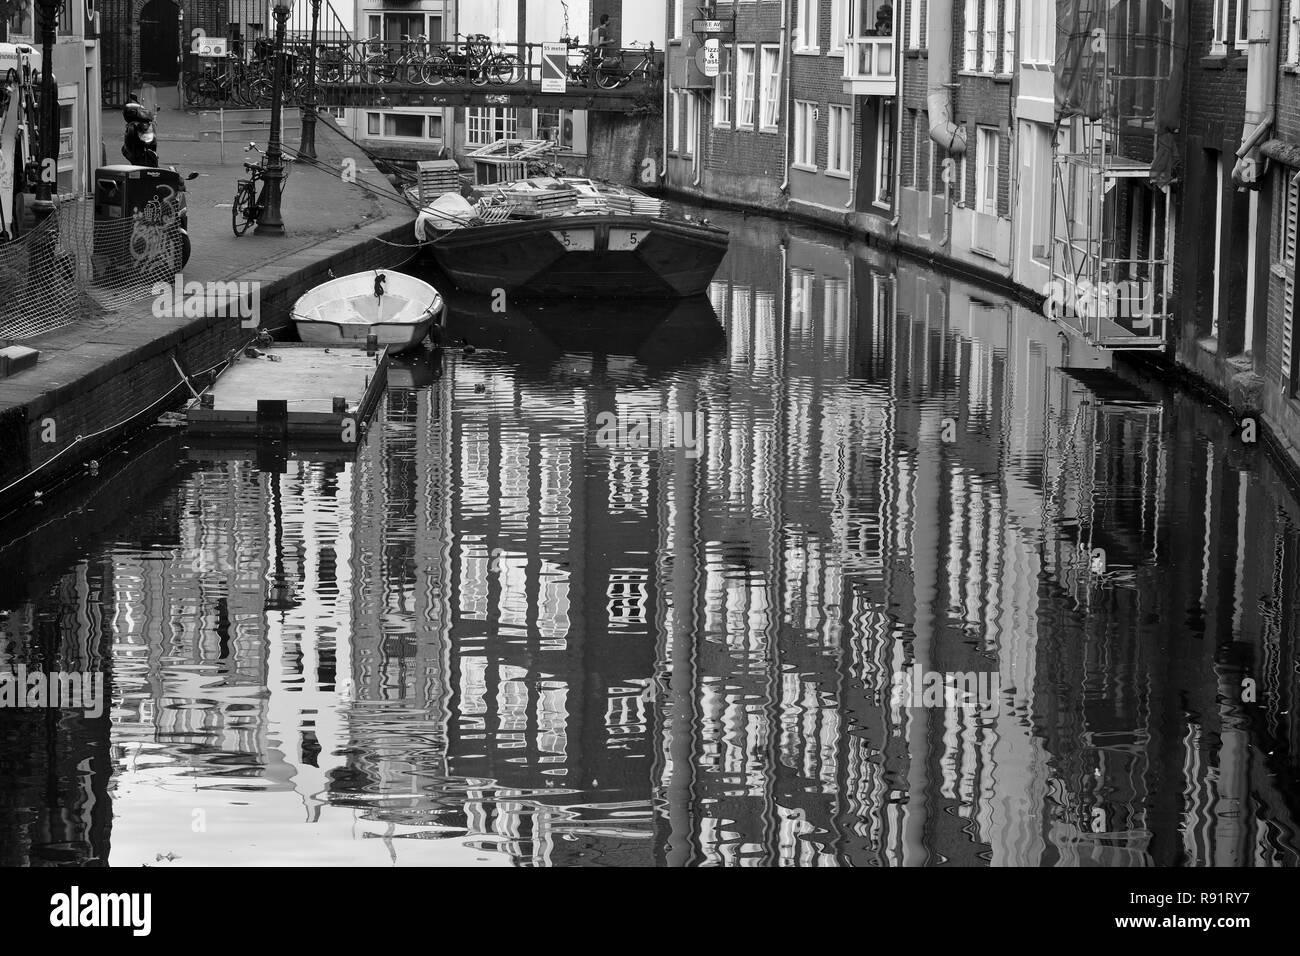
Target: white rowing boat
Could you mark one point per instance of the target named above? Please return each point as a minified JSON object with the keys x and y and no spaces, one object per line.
{"x":395,"y":308}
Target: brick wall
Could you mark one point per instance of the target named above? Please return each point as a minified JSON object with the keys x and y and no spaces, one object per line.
{"x":740,"y":165}
{"x":1213,"y":110}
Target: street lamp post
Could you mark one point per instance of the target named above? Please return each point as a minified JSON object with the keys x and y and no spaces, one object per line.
{"x":271,"y":222}
{"x":307,"y":144}
{"x":48,"y":159}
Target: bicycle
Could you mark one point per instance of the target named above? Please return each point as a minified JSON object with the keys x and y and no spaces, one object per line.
{"x":590,"y":68}
{"x":480,"y":64}
{"x":249,"y":206}
{"x":612,"y":74}
{"x":236,"y":83}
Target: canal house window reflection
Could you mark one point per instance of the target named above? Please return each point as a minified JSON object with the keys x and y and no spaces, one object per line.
{"x":835,"y":314}
{"x":801,"y":299}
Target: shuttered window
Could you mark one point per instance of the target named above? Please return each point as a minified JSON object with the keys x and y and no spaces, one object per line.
{"x":1288,"y":242}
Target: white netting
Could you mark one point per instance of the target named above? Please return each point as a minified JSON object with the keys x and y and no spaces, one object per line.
{"x":72,"y":267}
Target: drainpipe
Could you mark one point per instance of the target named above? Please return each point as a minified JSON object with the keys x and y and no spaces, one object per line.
{"x":698,"y":148}
{"x":896,"y":187}
{"x":785,"y":96}
{"x":1261,"y":89}
{"x":668,"y":81}
{"x":938,"y":97}
{"x":1261,"y":114}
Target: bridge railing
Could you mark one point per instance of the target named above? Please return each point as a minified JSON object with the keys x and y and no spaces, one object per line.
{"x":368,"y":68}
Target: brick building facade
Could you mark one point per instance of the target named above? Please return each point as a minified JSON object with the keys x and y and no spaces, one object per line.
{"x":981,"y":191}
{"x":727,"y":136}
{"x":1210,"y":252}
{"x":844,"y":114}
{"x":1275,"y":337}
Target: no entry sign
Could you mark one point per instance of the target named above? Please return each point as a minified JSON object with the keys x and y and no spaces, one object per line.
{"x":555,"y":67}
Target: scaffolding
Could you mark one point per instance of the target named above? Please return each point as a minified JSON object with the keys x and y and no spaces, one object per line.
{"x":1119,"y":84}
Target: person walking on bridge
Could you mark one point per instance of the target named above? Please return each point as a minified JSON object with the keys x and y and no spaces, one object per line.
{"x":600,"y":39}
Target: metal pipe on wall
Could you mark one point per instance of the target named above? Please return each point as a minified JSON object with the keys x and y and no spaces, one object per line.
{"x":938,"y":96}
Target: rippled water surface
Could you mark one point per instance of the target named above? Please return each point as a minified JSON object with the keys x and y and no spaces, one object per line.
{"x":506,"y":634}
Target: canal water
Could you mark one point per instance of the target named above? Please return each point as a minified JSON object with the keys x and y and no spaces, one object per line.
{"x":851,"y":564}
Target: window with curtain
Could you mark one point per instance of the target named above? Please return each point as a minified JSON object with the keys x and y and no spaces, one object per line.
{"x":722,"y":89}
{"x":839,"y":155}
{"x":970,"y":36}
{"x":771,"y":112}
{"x":745,"y":67}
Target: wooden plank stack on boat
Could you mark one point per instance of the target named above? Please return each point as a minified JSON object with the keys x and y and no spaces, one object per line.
{"x":553,"y":201}
{"x":633,"y":204}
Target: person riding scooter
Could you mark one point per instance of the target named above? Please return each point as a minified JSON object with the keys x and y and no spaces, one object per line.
{"x":140,"y":146}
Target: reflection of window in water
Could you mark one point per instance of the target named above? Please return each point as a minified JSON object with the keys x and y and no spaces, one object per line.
{"x":875,"y":18}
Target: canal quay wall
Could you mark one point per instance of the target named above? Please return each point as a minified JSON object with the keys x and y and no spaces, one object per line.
{"x":100,"y":380}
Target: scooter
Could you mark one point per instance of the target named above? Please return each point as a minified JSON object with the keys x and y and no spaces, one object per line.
{"x":140,"y":145}
{"x":140,"y":148}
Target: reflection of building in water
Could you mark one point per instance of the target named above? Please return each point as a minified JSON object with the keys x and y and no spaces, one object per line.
{"x":985,"y":512}
{"x":502,"y":626}
{"x":897,"y":477}
{"x":239,"y":694}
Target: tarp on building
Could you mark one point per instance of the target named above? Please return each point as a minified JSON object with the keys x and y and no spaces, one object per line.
{"x":1122,"y":64}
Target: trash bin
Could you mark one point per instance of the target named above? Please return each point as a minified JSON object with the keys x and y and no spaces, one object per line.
{"x":121,"y":192}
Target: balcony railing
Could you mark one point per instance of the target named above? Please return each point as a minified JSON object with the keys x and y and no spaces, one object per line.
{"x":869,"y":66}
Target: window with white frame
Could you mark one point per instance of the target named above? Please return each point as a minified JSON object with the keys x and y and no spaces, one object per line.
{"x":915,"y":29}
{"x":722,"y":89}
{"x":404,"y":125}
{"x":839,"y":25}
{"x":391,"y":26}
{"x":970,"y":36}
{"x":1242,"y":34}
{"x":746,"y":86}
{"x":805,"y":135}
{"x":771,"y":92}
{"x":1040,"y":26}
{"x":676,"y":120}
{"x":486,"y":125}
{"x":839,"y":146}
{"x":1009,"y":32}
{"x":1293,"y":34}
{"x":884,"y":156}
{"x":805,"y":25}
{"x":1219,"y":41}
{"x":988,"y":142}
{"x":1040,"y":230}
{"x":692,"y":133}
{"x":679,"y":14}
{"x":989,"y":59}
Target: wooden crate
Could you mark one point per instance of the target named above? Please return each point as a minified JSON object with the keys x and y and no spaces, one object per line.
{"x":435,"y":177}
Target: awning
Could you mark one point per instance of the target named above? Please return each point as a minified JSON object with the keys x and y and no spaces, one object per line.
{"x":1281,"y":151}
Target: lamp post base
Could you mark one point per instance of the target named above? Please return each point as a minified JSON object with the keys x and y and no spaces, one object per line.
{"x":271,"y":222}
{"x":307,"y":141}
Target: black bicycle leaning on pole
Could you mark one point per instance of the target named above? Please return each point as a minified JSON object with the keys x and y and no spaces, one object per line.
{"x":248,"y":205}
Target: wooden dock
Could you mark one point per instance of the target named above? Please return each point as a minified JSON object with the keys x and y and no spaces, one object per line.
{"x":293,"y":394}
